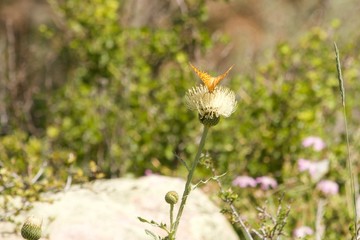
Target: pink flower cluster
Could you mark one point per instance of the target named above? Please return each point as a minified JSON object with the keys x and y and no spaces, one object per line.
{"x":317,"y":143}
{"x":303,"y":231}
{"x":266,"y":182}
{"x":316,"y":169}
{"x":245,"y":181}
{"x":328,"y":187}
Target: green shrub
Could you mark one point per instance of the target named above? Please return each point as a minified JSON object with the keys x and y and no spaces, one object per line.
{"x":293,"y":96}
{"x":28,"y":167}
{"x":122,"y":103}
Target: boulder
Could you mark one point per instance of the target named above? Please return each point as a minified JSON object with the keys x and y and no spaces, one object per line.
{"x":109,"y":210}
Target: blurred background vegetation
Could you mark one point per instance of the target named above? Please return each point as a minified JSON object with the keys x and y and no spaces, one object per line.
{"x":94,"y":89}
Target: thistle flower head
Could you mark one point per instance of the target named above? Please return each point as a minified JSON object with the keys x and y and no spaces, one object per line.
{"x":209,"y":100}
{"x":211,"y":105}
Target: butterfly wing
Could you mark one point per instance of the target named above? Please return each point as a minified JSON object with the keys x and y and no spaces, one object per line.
{"x":205,"y":77}
{"x":209,"y":81}
{"x":221,"y":77}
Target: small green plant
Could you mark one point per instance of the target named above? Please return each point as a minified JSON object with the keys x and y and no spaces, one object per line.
{"x":30,"y":166}
{"x":272,"y":225}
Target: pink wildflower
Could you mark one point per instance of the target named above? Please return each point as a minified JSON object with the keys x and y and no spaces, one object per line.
{"x":317,"y":143}
{"x":266,"y":182}
{"x":148,"y":172}
{"x":316,"y":169}
{"x":328,"y":187}
{"x":304,"y":164}
{"x":244,"y":181}
{"x":303,"y":231}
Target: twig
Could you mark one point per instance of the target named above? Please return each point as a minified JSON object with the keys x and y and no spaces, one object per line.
{"x":38,"y":174}
{"x":182,"y":161}
{"x":262,"y":210}
{"x":319,"y":227}
{"x":11,"y":53}
{"x":244,"y":229}
{"x":68,"y":183}
{"x":207,"y":180}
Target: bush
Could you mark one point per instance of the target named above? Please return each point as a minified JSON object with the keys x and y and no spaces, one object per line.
{"x":121,"y":104}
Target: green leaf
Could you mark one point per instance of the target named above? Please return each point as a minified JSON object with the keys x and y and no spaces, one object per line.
{"x":148,"y":232}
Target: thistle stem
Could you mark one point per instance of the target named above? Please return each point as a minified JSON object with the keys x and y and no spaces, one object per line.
{"x":171,"y":215}
{"x":188,"y":188}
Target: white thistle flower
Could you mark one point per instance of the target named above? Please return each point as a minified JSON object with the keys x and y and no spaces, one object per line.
{"x":211,"y":105}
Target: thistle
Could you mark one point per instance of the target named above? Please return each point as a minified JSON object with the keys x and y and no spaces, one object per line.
{"x":209,"y":100}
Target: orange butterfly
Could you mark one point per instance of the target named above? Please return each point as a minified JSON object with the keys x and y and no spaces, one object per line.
{"x":209,"y":81}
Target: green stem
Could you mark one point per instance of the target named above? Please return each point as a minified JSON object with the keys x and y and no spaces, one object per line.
{"x":187,"y":189}
{"x":354,"y":189}
{"x":171,"y":216}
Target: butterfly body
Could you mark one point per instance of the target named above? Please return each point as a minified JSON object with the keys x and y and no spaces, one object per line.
{"x":209,"y":81}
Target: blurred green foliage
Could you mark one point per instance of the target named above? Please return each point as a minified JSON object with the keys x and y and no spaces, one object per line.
{"x":294,"y":95}
{"x":28,"y":167}
{"x":118,"y":111}
{"x":121,"y":105}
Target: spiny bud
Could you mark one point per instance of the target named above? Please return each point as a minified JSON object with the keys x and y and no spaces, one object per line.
{"x":172,"y":197}
{"x":209,"y":121}
{"x":31,"y":230}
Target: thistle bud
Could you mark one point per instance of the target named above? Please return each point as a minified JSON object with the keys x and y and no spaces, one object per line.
{"x":172,"y":197}
{"x":31,"y":230}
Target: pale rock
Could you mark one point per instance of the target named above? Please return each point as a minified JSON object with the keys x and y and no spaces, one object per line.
{"x":108,"y":210}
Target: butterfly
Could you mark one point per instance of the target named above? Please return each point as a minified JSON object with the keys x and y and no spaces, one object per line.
{"x":209,"y":81}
